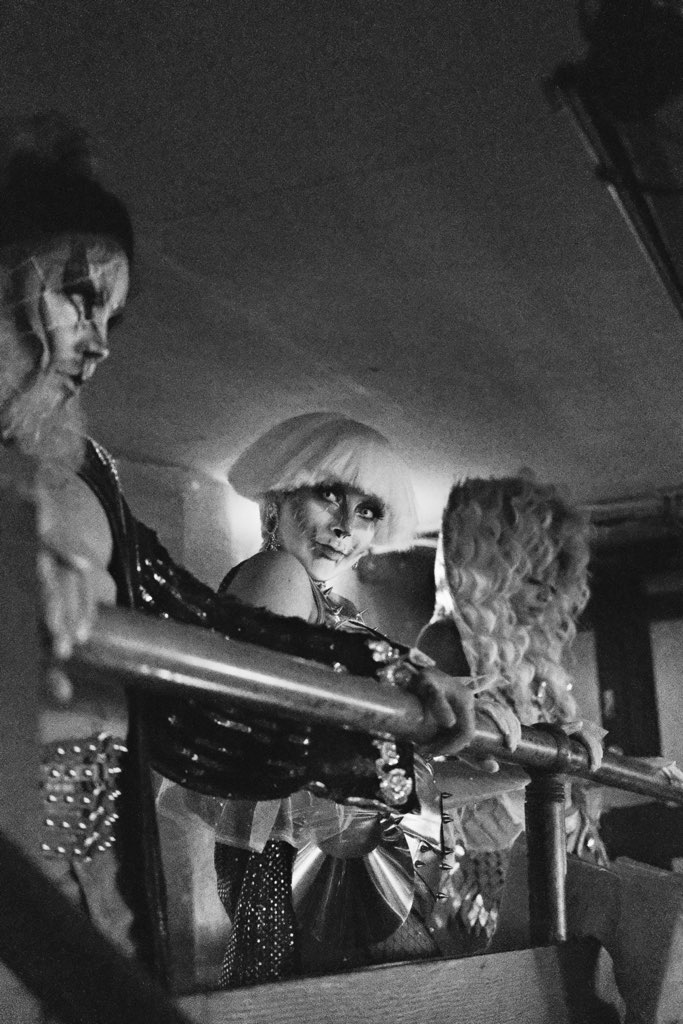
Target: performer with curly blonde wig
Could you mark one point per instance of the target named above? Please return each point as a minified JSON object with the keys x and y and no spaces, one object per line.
{"x":511,"y":581}
{"x":515,"y":558}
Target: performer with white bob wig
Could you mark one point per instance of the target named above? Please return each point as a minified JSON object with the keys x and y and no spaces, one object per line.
{"x":330,"y":488}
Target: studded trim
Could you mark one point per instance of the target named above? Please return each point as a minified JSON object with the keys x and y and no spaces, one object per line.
{"x":80,"y":793}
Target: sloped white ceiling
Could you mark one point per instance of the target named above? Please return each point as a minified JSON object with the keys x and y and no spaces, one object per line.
{"x":367,"y":207}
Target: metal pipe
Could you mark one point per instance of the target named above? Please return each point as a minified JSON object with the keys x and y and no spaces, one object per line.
{"x":547,"y":748}
{"x":168,"y":657}
{"x":171,"y":657}
{"x":547,"y":858}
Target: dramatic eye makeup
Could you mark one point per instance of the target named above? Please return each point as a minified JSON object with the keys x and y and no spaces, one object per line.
{"x":77,"y":283}
{"x":369,"y":507}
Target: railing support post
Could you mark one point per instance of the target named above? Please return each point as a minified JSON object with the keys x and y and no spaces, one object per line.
{"x":547,"y":858}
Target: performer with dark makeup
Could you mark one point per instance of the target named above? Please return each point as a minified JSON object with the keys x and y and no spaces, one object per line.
{"x":66,"y":256}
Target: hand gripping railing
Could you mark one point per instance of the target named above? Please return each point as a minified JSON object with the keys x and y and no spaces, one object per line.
{"x":164,"y":656}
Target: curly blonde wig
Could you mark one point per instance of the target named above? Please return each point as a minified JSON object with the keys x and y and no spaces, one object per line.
{"x":501,"y":540}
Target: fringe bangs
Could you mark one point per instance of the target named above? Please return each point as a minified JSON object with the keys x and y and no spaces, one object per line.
{"x":316,"y":448}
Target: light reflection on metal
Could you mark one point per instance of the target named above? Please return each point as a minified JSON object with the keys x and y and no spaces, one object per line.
{"x":165,"y":656}
{"x":346,"y":901}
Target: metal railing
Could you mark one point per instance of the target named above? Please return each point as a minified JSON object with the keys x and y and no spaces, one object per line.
{"x":163,"y":656}
{"x":46,"y":940}
{"x":168,"y":657}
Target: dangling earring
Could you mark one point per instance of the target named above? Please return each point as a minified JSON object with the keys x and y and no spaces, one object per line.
{"x":271,"y":521}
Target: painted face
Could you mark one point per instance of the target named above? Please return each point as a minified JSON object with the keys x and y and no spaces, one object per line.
{"x":328,"y":527}
{"x":72,"y":293}
{"x":532,"y":598}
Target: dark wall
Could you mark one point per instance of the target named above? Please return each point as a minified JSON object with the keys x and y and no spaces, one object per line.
{"x":395,"y":590}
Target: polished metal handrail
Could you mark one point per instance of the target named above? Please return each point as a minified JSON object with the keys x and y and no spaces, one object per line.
{"x":166,"y":656}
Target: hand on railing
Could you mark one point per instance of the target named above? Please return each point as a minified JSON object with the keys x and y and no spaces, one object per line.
{"x":590,"y":735}
{"x":506,"y":720}
{"x":72,"y":588}
{"x":448,"y":703}
{"x":666,"y":767}
{"x":189,"y":662}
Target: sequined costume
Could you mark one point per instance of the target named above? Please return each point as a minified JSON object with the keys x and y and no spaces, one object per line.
{"x":205,"y":746}
{"x":268,"y":852}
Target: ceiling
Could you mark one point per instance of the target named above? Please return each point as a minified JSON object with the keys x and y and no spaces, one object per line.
{"x":366,"y":206}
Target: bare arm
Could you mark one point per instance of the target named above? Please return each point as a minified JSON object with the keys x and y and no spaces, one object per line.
{"x":277,"y":581}
{"x":73,"y":561}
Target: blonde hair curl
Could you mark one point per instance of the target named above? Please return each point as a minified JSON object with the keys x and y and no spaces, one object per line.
{"x":498,"y":536}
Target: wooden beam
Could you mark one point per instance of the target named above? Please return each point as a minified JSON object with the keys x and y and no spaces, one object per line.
{"x":526,"y":985}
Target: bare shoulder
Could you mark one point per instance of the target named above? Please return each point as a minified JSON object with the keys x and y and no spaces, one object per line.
{"x":275,"y":580}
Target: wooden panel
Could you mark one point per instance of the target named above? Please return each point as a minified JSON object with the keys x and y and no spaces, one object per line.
{"x":525,"y":985}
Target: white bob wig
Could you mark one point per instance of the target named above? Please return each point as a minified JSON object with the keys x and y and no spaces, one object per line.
{"x":324,"y":447}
